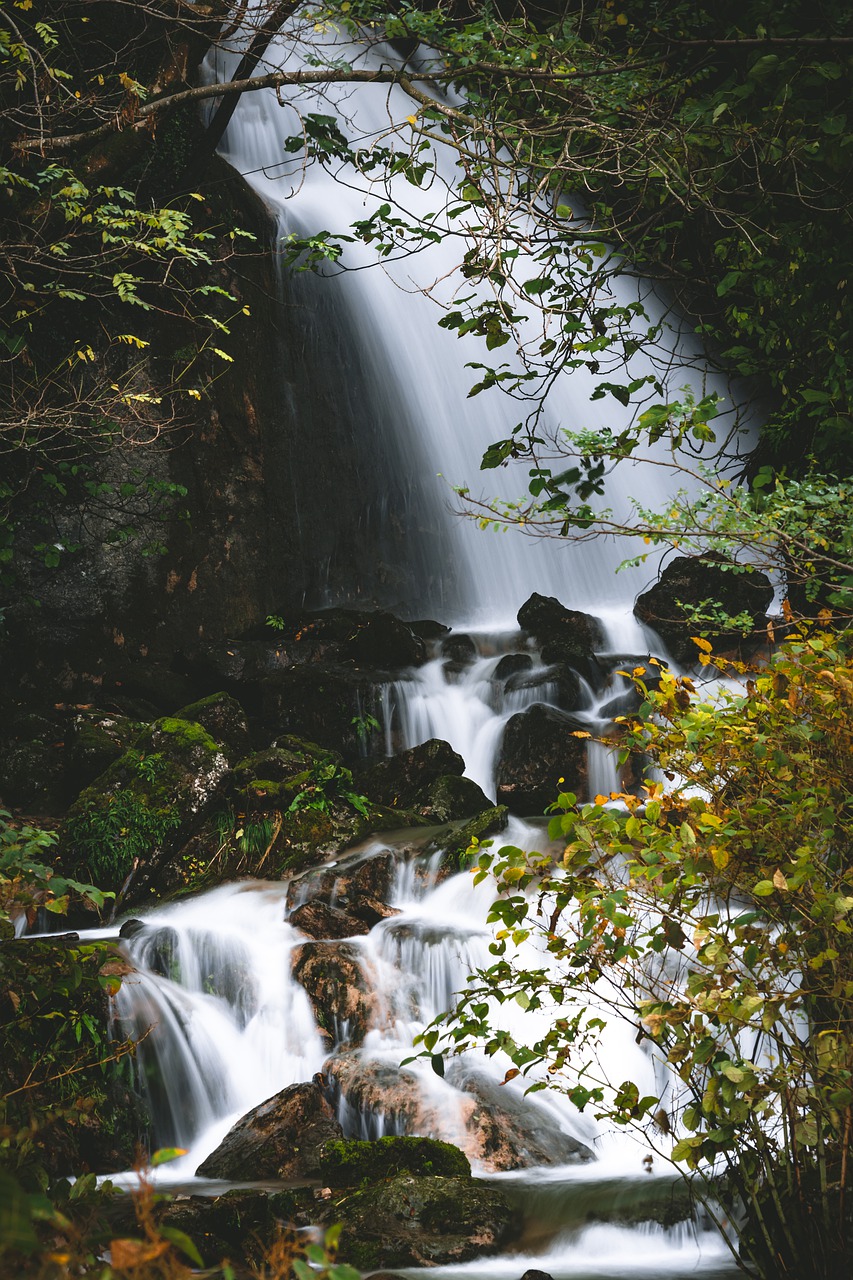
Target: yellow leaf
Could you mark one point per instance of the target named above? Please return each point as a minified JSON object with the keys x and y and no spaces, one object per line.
{"x":599,"y":800}
{"x":702,"y":644}
{"x":779,"y":879}
{"x":621,"y":20}
{"x":412,"y":119}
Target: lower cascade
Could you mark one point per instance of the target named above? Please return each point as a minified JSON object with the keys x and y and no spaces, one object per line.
{"x":266,"y":1029}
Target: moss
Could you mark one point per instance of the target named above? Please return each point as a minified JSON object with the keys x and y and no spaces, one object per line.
{"x":188,"y":733}
{"x":454,"y":842}
{"x":350,"y":1162}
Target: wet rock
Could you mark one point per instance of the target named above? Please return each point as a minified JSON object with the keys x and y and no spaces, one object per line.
{"x":375,"y":1096}
{"x":281,"y":1138}
{"x":451,"y":798}
{"x":404,"y":780}
{"x":565,"y":636}
{"x":558,"y":684}
{"x":349,"y":1162}
{"x":429,"y":630}
{"x":31,"y":776}
{"x":143,"y":809}
{"x":354,"y":879}
{"x":319,"y":920}
{"x":225,"y":721}
{"x":689,"y":582}
{"x":511,"y":1132}
{"x":538,"y":749}
{"x":512,"y":664}
{"x":455,"y":842}
{"x":536,"y":1275}
{"x":424,"y":1221}
{"x":458,"y":648}
{"x":341,"y":993}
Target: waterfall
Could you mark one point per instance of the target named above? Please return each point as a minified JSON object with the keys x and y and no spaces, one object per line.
{"x":413,"y":379}
{"x":224,"y":1023}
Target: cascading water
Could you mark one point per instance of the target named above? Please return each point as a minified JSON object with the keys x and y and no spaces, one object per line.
{"x":224,"y":1023}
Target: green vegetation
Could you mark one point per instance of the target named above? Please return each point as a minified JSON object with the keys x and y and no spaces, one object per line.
{"x":713,"y":912}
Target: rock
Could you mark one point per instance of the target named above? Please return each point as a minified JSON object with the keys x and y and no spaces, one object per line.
{"x":225,"y":721}
{"x":512,"y":664}
{"x":96,"y":740}
{"x":343,"y":998}
{"x":537,"y":750}
{"x":458,"y":649}
{"x":242,"y":1223}
{"x":423,"y":1221}
{"x":319,"y":920}
{"x":404,"y":780}
{"x":536,"y":1275}
{"x":428,"y":629}
{"x":349,"y":1162}
{"x":363,"y":1089}
{"x":355,"y":878}
{"x":689,"y":582}
{"x":377,"y":640}
{"x":565,"y":636}
{"x":511,"y":1132}
{"x":559,"y":684}
{"x":143,"y":809}
{"x":317,"y":703}
{"x":451,"y":798}
{"x":281,"y":1138}
{"x":455,"y":841}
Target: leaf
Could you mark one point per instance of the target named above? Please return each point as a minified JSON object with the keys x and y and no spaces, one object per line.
{"x":182,"y":1241}
{"x":764,"y":888}
{"x":167,"y":1154}
{"x":779,"y":880}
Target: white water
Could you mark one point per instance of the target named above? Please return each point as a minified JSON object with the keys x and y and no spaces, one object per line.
{"x":416,"y":373}
{"x":226,"y":1024}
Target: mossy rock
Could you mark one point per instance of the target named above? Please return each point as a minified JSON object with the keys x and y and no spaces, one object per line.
{"x":225,"y":721}
{"x":144,"y":807}
{"x":455,"y":841}
{"x":424,"y":1221}
{"x":350,"y":1162}
{"x":451,"y":798}
{"x":97,"y":740}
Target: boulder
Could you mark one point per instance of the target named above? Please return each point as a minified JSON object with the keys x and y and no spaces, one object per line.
{"x":558,"y":684}
{"x":512,"y":664}
{"x":323,"y":704}
{"x":458,"y":649}
{"x":372,"y":1095}
{"x":507,"y":1131}
{"x":565,"y":636}
{"x":225,"y":721}
{"x":281,"y":1138}
{"x":710,"y":583}
{"x":342,"y":996}
{"x":350,"y":1162}
{"x":455,"y":841}
{"x":539,"y":748}
{"x":96,"y":740}
{"x":348,"y":883}
{"x":424,"y":1221}
{"x":451,"y":798}
{"x":319,"y":920}
{"x":143,"y":809}
{"x":243,"y":1223}
{"x":404,"y":780}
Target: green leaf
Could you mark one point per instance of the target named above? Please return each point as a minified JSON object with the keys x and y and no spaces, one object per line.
{"x":166,"y":1154}
{"x":182,"y":1241}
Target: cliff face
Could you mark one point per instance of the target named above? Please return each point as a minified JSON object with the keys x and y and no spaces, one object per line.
{"x":291,"y":500}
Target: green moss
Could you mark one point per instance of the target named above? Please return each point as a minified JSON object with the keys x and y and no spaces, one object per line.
{"x":188,"y":733}
{"x":454,"y":842}
{"x":348,"y":1163}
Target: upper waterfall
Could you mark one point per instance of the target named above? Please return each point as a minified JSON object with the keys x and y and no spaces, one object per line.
{"x":425,"y":435}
